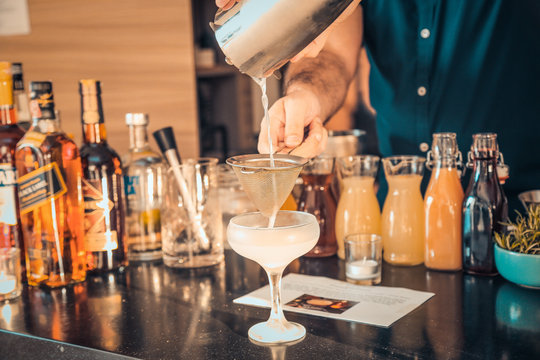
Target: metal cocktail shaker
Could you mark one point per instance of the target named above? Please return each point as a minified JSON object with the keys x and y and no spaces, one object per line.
{"x":260,"y":36}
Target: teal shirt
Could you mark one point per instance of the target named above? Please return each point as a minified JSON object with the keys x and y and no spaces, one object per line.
{"x":463,"y":66}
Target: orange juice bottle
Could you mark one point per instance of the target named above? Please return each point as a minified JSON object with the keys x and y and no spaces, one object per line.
{"x":358,"y":210}
{"x":443,"y":202}
{"x":403,"y":211}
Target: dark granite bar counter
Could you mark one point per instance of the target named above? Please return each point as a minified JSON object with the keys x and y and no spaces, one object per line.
{"x":152,"y":312}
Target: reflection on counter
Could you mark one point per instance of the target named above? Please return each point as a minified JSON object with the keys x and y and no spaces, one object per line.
{"x":479,"y":310}
{"x":439,"y":283}
{"x":151,"y":311}
{"x":518,"y":308}
{"x":277,"y":351}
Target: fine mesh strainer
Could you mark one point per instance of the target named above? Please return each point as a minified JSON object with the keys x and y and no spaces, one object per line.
{"x":267,"y":186}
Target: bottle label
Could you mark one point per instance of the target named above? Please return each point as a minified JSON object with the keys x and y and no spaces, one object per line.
{"x":131,"y":183}
{"x":40,"y":186}
{"x":38,"y":254}
{"x":33,"y":138}
{"x":8,"y":186}
{"x":99,"y":235}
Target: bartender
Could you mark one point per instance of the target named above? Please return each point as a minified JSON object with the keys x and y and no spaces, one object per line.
{"x":436,"y":66}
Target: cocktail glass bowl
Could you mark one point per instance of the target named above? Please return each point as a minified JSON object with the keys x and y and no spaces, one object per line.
{"x":294,"y":234}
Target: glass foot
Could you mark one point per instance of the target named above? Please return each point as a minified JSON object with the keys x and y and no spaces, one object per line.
{"x":269,"y":333}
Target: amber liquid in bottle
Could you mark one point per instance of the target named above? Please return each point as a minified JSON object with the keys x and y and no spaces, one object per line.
{"x":50,"y":197}
{"x":10,"y":134}
{"x":102,"y":187}
{"x":317,"y":199}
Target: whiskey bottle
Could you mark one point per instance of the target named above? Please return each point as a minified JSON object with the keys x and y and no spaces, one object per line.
{"x":10,"y":134}
{"x":20,"y":98}
{"x":144,"y":177}
{"x":102,"y":187}
{"x":51,"y":204}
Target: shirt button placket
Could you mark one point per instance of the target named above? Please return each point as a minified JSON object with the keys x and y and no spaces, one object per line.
{"x":425,"y":58}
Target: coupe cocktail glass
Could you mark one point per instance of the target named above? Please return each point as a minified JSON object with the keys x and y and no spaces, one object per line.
{"x":270,"y":237}
{"x":294,"y":234}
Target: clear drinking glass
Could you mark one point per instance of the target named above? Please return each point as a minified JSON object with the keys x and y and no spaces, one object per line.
{"x":403,"y":211}
{"x":363,"y":259}
{"x":232,"y":198}
{"x":294,"y":234}
{"x":10,"y":273}
{"x":192,"y":237}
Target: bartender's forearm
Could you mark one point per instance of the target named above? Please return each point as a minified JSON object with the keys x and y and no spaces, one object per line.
{"x":329,"y":74}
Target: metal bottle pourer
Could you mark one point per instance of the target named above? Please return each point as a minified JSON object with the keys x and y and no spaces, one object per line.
{"x":260,"y":36}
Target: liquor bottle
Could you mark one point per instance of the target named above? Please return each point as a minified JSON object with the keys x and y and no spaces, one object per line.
{"x":20,"y":98}
{"x":10,"y":134}
{"x":442,"y":205}
{"x":144,"y":177}
{"x":484,"y":208}
{"x":51,"y":204}
{"x":102,"y":187}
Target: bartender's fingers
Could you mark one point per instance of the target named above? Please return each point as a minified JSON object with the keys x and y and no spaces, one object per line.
{"x":297,"y":117}
{"x":225,"y":4}
{"x":315,"y":142}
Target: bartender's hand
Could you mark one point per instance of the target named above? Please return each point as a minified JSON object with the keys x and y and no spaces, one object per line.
{"x":225,"y":4}
{"x":289,"y":116}
{"x":315,"y":90}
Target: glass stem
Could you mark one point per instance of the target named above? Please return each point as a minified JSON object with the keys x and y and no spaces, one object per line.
{"x":274,"y":278}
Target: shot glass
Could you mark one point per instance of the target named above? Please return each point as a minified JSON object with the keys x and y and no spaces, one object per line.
{"x":363,"y":259}
{"x":10,"y":273}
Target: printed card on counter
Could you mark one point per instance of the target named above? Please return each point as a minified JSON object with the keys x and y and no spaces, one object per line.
{"x":321,"y":296}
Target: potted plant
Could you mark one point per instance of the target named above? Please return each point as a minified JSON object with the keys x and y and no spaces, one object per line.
{"x":517,"y":250}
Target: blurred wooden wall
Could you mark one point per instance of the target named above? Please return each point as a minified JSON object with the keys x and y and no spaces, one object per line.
{"x":141,"y":50}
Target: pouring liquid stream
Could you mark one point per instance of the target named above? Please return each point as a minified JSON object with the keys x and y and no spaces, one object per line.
{"x":264,"y":99}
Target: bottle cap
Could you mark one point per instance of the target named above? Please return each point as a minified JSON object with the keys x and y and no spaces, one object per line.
{"x":445,"y":145}
{"x":485,"y":146}
{"x":5,"y":70}
{"x":6,"y":84}
{"x":91,"y":109}
{"x":18,"y":82}
{"x":41,"y":100}
{"x":89,"y":87}
{"x":135,"y":119}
